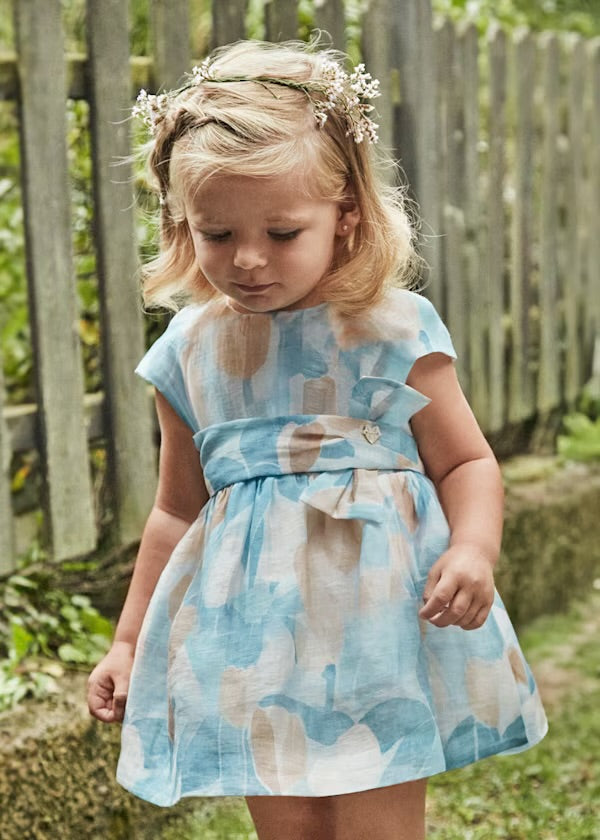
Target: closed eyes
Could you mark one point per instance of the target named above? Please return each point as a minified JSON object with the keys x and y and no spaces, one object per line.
{"x":278,"y":236}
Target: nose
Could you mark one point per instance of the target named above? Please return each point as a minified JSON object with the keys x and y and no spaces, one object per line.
{"x":249,"y":256}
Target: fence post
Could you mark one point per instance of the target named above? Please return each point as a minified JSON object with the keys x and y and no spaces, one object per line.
{"x":376,"y":47}
{"x":281,"y":19}
{"x":496,"y":226}
{"x":59,"y":376}
{"x":592,"y":292}
{"x":523,"y":65}
{"x":574,"y":302}
{"x":468,"y":44}
{"x":330,"y":17}
{"x":548,"y":383}
{"x":7,"y":545}
{"x":413,"y":40}
{"x":129,"y":433}
{"x":170,"y":23}
{"x":228,"y":21}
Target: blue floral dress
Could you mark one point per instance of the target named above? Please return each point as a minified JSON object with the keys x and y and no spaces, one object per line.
{"x":282,"y":653}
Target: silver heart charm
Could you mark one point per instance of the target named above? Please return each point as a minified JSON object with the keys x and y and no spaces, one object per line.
{"x":371,"y":433}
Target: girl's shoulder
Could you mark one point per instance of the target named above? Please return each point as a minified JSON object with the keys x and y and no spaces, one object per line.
{"x":401,"y":316}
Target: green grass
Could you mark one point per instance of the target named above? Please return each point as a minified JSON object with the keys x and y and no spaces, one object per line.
{"x":548,"y":793}
{"x":552,"y":791}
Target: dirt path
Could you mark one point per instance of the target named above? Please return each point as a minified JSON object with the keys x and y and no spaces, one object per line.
{"x":554,"y":677}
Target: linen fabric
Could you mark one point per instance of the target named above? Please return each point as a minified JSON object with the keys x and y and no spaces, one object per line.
{"x":282,"y":653}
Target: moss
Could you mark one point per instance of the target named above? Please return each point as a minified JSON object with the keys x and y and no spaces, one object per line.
{"x":550,"y":549}
{"x":57,"y":776}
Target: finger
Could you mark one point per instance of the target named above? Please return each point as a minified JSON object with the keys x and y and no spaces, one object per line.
{"x":455,"y":611}
{"x":98,"y":697}
{"x":439,"y":600}
{"x":471,"y":614}
{"x":120,"y":697}
{"x":432,"y":581}
{"x":479,"y":619}
{"x":119,"y":702}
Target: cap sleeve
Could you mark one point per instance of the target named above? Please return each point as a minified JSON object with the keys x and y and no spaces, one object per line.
{"x":433,"y":334}
{"x":162,"y":367}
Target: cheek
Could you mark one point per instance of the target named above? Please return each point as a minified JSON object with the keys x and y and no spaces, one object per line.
{"x":205,"y":255}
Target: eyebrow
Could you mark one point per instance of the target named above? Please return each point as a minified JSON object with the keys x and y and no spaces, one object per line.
{"x":212,"y":220}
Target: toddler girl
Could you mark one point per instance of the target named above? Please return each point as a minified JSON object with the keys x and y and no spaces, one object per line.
{"x":312,"y":621}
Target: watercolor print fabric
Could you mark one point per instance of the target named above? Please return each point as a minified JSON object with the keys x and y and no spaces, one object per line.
{"x":282,"y":651}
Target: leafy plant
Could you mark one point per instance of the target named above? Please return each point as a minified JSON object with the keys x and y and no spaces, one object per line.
{"x":44,"y":630}
{"x":582,"y":440}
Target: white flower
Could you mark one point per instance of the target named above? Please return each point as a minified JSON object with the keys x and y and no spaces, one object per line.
{"x":340,"y":90}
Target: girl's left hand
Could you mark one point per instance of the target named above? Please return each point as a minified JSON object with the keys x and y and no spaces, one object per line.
{"x":459,"y":588}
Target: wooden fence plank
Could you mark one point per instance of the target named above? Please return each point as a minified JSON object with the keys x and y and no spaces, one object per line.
{"x":548,"y":384}
{"x":496,"y":226}
{"x":573,"y":304}
{"x":454,"y":219}
{"x":7,"y":542}
{"x":454,"y":228}
{"x":520,"y":404}
{"x":129,"y":439}
{"x":468,"y":43}
{"x":228,"y":22}
{"x":455,"y":122}
{"x":376,"y":45}
{"x":443,"y":38}
{"x":592,"y":292}
{"x":170,"y":27}
{"x":141,"y":76}
{"x":70,"y":522}
{"x":330,"y":16}
{"x":281,"y":19}
{"x":413,"y":52}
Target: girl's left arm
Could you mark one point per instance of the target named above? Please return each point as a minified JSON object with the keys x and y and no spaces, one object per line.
{"x":460,"y":462}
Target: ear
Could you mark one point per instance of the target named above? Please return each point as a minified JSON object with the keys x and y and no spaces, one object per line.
{"x":349,"y":217}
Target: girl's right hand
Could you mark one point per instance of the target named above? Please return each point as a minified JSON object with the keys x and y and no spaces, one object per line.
{"x":108,"y":683}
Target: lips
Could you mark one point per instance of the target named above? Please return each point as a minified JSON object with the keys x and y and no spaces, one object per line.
{"x":254,"y":289}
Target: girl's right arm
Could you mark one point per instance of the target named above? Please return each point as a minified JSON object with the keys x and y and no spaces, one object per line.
{"x":180,"y":496}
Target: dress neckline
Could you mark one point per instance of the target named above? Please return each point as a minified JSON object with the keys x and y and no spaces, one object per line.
{"x":281,"y":312}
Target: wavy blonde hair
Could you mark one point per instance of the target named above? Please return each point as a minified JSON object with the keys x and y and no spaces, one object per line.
{"x":246,"y":128}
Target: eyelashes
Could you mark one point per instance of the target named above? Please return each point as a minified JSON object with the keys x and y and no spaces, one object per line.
{"x":277,"y":236}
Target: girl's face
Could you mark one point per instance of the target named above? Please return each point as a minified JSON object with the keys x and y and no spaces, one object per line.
{"x":262,"y":242}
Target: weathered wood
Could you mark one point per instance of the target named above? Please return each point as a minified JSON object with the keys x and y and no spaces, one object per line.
{"x":592,"y":291}
{"x":140,"y":68}
{"x":170,"y":29}
{"x":131,"y":459}
{"x":496,"y":226}
{"x":377,"y":52}
{"x":21,"y":421}
{"x":455,"y":123}
{"x":548,"y":384}
{"x":573,"y":285}
{"x":228,"y":22}
{"x":330,"y":16}
{"x":7,"y":541}
{"x":468,"y":46}
{"x":443,"y":36}
{"x":523,"y":65}
{"x":413,"y":54}
{"x":70,"y":521}
{"x":281,"y":19}
{"x":457,"y":314}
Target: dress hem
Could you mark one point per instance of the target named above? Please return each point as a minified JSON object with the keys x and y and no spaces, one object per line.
{"x":433,"y":771}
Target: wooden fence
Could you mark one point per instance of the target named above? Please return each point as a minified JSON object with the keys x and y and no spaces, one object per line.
{"x":499,"y":139}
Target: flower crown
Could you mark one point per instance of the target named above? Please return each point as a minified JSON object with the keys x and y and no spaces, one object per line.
{"x":335,"y":88}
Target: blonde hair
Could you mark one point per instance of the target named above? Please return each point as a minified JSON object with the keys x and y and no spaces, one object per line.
{"x":248,"y":128}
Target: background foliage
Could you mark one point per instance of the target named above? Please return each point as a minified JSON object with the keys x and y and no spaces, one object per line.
{"x":39,"y":622}
{"x":15,"y":347}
